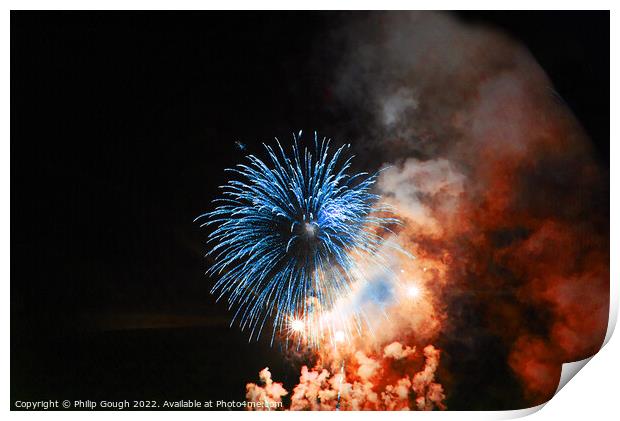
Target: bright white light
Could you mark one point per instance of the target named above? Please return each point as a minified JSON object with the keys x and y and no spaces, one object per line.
{"x":413,"y":291}
{"x":297,"y":325}
{"x":339,"y":336}
{"x":310,"y":229}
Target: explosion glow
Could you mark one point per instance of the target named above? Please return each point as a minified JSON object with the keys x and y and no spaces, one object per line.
{"x":303,"y":241}
{"x":289,"y":236}
{"x":413,"y":291}
{"x":297,"y":325}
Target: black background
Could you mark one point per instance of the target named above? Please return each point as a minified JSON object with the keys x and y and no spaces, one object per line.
{"x":121,"y":126}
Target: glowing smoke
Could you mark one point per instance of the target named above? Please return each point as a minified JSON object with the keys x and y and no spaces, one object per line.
{"x":268,"y":394}
{"x":503,"y":206}
{"x":366,"y":384}
{"x":496,"y":182}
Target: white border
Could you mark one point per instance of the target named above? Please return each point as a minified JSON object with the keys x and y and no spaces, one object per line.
{"x":594,"y":393}
{"x":308,"y":5}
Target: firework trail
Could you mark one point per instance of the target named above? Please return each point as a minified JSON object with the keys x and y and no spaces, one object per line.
{"x":287,"y":236}
{"x":340,"y":385}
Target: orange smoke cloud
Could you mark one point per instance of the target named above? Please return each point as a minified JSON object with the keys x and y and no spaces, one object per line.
{"x":269,"y":395}
{"x":505,"y":206}
{"x":361,"y":382}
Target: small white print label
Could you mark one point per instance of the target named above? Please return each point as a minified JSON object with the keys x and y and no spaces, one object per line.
{"x":140,"y":404}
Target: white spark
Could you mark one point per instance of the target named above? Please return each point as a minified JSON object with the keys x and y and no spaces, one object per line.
{"x":297,"y":325}
{"x":413,"y":291}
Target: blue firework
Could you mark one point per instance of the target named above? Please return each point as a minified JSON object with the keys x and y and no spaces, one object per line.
{"x":289,"y":232}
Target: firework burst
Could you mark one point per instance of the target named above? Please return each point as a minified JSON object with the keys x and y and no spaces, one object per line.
{"x":288,"y":236}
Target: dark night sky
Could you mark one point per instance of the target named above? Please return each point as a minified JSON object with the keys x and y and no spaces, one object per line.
{"x":121,"y":126}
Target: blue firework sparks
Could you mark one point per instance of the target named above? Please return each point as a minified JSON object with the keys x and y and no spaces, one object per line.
{"x":288,"y":233}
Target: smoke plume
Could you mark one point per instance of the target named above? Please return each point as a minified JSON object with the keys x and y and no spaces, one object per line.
{"x":362,"y":382}
{"x":502,"y":198}
{"x":504,"y":208}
